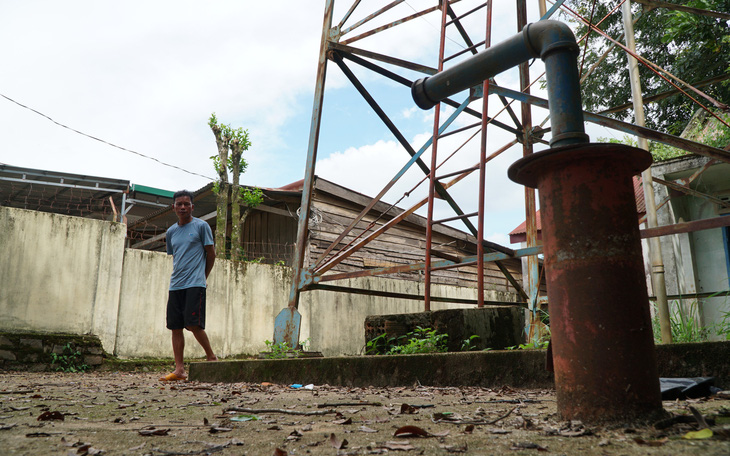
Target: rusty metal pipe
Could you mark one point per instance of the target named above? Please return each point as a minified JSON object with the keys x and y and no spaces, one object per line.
{"x":602,"y":340}
{"x":554,"y":43}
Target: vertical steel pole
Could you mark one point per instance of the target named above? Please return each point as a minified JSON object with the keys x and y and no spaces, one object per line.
{"x":432,"y":173}
{"x":303,"y":226}
{"x":530,"y":281}
{"x":483,"y":169}
{"x":655,"y":248}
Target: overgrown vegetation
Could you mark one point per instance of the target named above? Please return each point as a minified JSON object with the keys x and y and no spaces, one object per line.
{"x":541,"y":343}
{"x":284,"y":350}
{"x":69,"y":360}
{"x":686,"y":327}
{"x":420,"y":340}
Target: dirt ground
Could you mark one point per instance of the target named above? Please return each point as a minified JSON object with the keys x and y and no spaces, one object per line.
{"x":122,"y":413}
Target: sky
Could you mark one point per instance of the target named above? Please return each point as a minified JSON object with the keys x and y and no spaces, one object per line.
{"x":144,"y":77}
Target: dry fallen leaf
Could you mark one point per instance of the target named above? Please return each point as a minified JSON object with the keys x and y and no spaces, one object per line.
{"x":280,"y":452}
{"x":47,"y":416}
{"x":653,"y":443}
{"x":398,"y":446}
{"x":527,"y":446}
{"x":406,"y":431}
{"x":455,"y":449}
{"x":337,"y":444}
{"x":148,"y":432}
{"x":406,"y":409}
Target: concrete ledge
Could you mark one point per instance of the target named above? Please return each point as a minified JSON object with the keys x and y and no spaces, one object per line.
{"x":515,"y":368}
{"x":31,"y":351}
{"x":525,"y":368}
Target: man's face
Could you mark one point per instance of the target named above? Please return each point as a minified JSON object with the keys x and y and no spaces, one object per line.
{"x":183,"y":208}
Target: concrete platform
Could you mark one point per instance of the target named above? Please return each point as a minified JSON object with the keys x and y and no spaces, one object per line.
{"x":514,"y":368}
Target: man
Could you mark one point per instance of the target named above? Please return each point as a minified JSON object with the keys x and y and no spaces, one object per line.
{"x":190,"y":242}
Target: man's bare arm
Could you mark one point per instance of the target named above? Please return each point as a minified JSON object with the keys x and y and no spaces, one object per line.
{"x":209,"y":259}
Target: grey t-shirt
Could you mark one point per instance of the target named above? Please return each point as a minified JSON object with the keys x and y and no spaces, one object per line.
{"x":185,"y":244}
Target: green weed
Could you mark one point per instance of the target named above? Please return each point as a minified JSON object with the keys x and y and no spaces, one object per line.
{"x":420,"y":340}
{"x":70,"y":360}
{"x":284,"y":350}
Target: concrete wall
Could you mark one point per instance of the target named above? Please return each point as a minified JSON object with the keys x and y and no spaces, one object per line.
{"x":73,"y":275}
{"x":59,"y":273}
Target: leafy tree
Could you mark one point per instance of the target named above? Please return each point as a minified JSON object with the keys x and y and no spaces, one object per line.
{"x":231,"y":144}
{"x":692,"y":47}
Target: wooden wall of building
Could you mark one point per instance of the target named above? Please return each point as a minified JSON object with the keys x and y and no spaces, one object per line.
{"x":403,"y":244}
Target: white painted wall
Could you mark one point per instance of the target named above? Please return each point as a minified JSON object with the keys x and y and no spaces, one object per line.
{"x":59,"y":273}
{"x":73,"y":275}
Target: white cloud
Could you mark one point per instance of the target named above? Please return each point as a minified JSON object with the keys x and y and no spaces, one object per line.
{"x":146,"y":76}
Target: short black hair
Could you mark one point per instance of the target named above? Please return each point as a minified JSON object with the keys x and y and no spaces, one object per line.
{"x":180,"y":193}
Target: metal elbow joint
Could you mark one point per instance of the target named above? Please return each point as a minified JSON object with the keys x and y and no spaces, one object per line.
{"x":554,"y":43}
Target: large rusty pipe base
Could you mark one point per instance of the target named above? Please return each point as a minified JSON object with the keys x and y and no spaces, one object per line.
{"x":602,"y":341}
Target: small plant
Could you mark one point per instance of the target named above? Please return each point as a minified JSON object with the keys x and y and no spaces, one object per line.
{"x":281,"y":350}
{"x":380,"y":345}
{"x":468,"y":344}
{"x":541,"y":344}
{"x":70,"y":360}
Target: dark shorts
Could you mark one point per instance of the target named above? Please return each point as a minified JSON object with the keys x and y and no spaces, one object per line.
{"x":186,"y":308}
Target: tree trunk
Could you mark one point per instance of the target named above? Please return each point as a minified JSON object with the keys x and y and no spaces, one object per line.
{"x":222,"y":197}
{"x":220,"y":220}
{"x":236,"y":248}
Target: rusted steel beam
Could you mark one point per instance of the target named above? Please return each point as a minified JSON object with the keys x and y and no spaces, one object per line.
{"x":459,"y":130}
{"x":303,"y":226}
{"x":690,"y":191}
{"x":483,"y":166}
{"x":601,"y":331}
{"x":667,"y":94}
{"x":456,"y":217}
{"x":347,"y":51}
{"x":696,"y":174}
{"x":348,"y":14}
{"x":387,"y":26}
{"x":459,"y":18}
{"x":389,"y":294}
{"x":530,"y":269}
{"x":686,"y":227}
{"x":464,"y":51}
{"x":432,"y":182}
{"x":371,"y":17}
{"x":458,"y":173}
{"x":712,"y":294}
{"x":648,"y":133}
{"x":488,"y":257}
